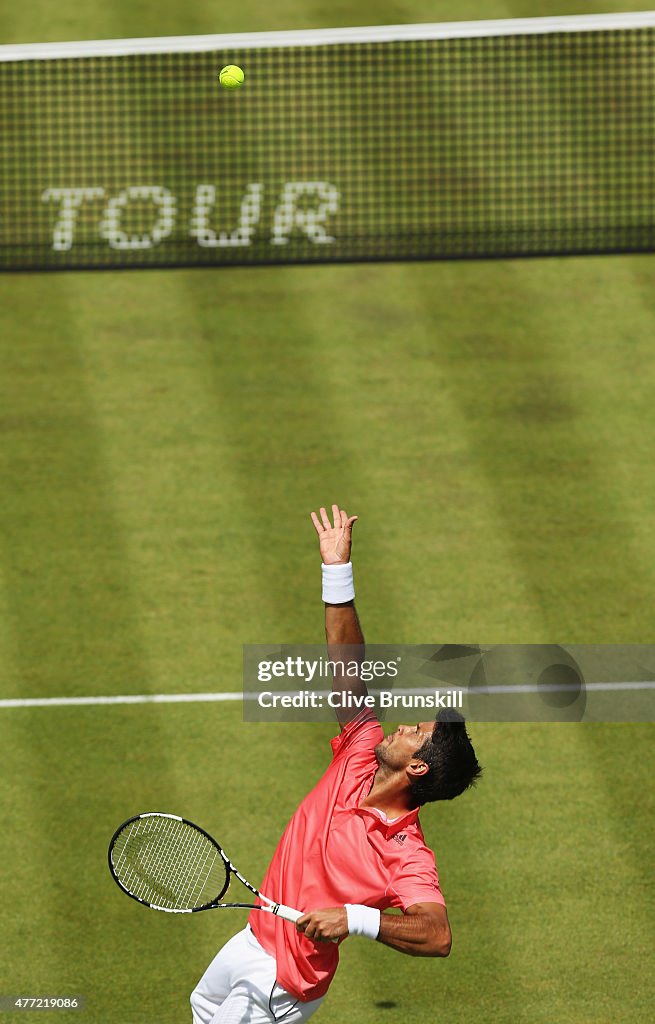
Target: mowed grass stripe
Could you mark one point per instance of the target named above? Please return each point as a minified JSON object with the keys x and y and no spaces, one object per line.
{"x":167,"y":455}
{"x":203,"y":424}
{"x":432,"y":546}
{"x":630,"y":819}
{"x":64,"y":564}
{"x":322,"y":411}
{"x":618,"y":376}
{"x":69,"y":614}
{"x":280,"y":413}
{"x":561,"y":886}
{"x":67,"y":786}
{"x":540,"y":428}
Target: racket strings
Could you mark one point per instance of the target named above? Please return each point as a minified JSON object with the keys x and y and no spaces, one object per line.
{"x":141,"y":865}
{"x":177,"y":863}
{"x":184,"y":864}
{"x":168,"y":863}
{"x":143,"y":883}
{"x":170,"y":875}
{"x":165,"y":872}
{"x":198,"y":874}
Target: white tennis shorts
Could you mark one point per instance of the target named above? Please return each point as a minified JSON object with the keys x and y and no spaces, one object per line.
{"x":240,"y":987}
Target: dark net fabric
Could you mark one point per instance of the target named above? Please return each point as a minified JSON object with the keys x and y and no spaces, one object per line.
{"x":425,"y":149}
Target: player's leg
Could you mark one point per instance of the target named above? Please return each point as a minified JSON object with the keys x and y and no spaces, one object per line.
{"x":218,"y":980}
{"x":239,"y":987}
{"x":250,"y":1003}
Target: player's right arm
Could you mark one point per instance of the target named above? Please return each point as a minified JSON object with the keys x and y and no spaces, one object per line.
{"x":345,"y":640}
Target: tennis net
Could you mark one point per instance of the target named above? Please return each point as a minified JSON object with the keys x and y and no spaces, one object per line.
{"x":485,"y":139}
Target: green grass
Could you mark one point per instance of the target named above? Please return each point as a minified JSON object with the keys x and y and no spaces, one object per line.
{"x":165,"y":435}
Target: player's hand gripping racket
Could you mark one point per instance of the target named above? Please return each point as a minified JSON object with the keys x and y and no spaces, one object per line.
{"x":168,"y":863}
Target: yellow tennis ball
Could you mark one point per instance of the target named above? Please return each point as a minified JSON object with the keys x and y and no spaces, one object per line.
{"x":231,"y":77}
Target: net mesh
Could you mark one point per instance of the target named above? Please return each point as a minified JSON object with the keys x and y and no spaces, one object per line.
{"x":504,"y":145}
{"x":168,"y":863}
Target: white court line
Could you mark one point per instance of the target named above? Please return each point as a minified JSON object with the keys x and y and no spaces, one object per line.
{"x":196,"y":698}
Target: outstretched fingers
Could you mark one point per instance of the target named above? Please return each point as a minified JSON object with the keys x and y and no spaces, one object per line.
{"x":341,"y":520}
{"x":317,"y":526}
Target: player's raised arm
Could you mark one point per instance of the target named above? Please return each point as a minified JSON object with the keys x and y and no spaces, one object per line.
{"x":345,"y":640}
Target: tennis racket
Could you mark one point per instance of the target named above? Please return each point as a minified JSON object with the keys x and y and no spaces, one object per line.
{"x":168,"y":863}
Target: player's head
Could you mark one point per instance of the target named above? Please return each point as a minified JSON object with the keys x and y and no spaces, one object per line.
{"x":452,"y":766}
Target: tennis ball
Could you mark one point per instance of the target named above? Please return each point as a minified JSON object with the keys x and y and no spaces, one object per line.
{"x":231,"y":77}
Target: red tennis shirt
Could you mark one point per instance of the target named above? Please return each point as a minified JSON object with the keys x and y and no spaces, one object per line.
{"x":334,"y":852}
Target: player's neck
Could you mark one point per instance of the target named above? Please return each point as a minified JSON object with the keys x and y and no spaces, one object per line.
{"x":389,"y":793}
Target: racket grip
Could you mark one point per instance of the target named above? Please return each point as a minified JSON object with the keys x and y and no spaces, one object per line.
{"x":287,"y":913}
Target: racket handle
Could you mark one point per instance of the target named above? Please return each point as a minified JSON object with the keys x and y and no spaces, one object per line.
{"x":287,"y":913}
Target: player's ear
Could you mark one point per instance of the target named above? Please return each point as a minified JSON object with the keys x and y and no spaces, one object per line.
{"x":417,"y":768}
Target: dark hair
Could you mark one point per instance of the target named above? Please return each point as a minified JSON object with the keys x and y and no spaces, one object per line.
{"x":451,"y":760}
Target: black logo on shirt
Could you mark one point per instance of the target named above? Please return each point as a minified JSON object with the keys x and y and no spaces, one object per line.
{"x":399,"y":838}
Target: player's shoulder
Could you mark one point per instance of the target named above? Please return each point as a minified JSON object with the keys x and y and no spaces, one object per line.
{"x":412,"y":868}
{"x":363,"y":732}
{"x":409,"y":842}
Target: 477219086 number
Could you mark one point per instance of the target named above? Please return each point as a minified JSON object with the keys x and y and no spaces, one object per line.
{"x":41,"y":1002}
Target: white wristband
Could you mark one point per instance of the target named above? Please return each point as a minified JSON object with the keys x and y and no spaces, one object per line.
{"x":363,"y":920}
{"x":338,"y":585}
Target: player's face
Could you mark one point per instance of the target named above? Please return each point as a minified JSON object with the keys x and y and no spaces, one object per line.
{"x":399,"y":747}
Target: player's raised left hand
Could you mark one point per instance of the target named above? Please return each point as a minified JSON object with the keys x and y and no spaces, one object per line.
{"x":334,"y":541}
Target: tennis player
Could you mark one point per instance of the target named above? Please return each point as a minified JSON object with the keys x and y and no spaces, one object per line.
{"x":353,"y":849}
